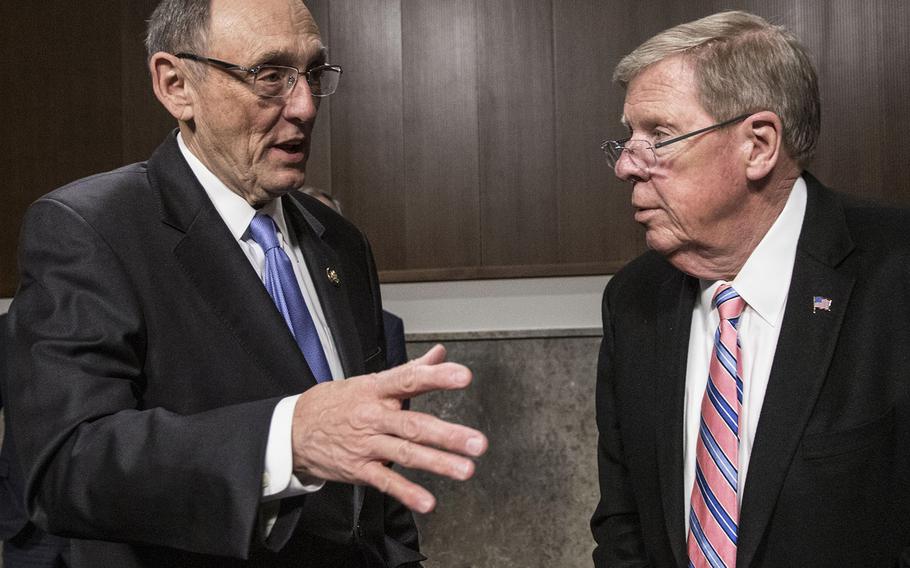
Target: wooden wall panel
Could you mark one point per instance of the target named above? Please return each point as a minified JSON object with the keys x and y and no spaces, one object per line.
{"x":890,"y":132}
{"x":517,"y":153}
{"x":847,"y":81}
{"x":464,"y":136}
{"x":319,"y":164}
{"x":863,"y":60}
{"x":145,"y":121}
{"x":439,"y":62}
{"x":61,"y":106}
{"x":595,"y":214}
{"x":367,"y":138}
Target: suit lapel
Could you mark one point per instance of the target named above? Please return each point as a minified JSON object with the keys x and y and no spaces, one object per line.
{"x":328,"y":274}
{"x":674,"y":318}
{"x":209,"y":255}
{"x":804,"y":351}
{"x":221,"y":273}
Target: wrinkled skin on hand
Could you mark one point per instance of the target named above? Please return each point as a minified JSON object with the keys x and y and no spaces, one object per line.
{"x":348,"y":430}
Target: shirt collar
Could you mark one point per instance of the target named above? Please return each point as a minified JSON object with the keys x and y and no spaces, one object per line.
{"x":764,"y":280}
{"x":233,"y":209}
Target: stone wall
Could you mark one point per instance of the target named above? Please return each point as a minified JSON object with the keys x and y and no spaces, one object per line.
{"x":534,"y":491}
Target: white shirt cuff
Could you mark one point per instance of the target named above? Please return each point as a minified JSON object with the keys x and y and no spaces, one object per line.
{"x":278,"y":479}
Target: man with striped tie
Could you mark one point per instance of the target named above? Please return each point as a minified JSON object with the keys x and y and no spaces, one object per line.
{"x":753,"y":397}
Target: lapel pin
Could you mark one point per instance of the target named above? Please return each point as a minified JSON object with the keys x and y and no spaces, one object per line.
{"x":820,"y":303}
{"x":333,"y":277}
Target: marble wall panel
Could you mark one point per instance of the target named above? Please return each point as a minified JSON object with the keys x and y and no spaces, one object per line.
{"x":534,"y":491}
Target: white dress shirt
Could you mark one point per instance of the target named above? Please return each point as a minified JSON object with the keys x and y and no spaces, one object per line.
{"x":278,"y":479}
{"x":763,"y":283}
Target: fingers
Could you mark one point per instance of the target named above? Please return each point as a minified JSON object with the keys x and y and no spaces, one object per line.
{"x":427,"y":373}
{"x":433,"y":356}
{"x":346,"y":430}
{"x":410,"y":494}
{"x":412,"y":455}
{"x":428,"y":430}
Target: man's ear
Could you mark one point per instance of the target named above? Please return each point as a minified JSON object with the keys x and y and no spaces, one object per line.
{"x":764,"y":132}
{"x":169,"y":81}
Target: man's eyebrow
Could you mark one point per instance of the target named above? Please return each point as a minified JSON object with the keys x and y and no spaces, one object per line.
{"x":321,"y":57}
{"x":282,"y":57}
{"x":625,"y":122}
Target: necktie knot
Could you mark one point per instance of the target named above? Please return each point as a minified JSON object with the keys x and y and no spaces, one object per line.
{"x":728,"y":302}
{"x":264,"y":232}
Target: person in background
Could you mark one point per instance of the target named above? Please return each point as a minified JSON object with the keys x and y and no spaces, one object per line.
{"x":396,"y":347}
{"x":753,"y":400}
{"x":197,"y":356}
{"x":24,"y":544}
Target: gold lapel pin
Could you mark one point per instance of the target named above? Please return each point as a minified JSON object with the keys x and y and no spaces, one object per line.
{"x":332,"y":276}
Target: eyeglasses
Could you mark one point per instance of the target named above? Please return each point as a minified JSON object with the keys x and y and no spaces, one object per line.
{"x":645,"y":155}
{"x":279,"y":80}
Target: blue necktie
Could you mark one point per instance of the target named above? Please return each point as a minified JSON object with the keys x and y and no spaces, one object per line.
{"x":283,"y":288}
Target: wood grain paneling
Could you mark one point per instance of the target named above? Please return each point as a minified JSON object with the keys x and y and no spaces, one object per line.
{"x":145,"y":121}
{"x":319,"y":164}
{"x":595,"y":215}
{"x":517,"y":154}
{"x":863,"y":59}
{"x":890,"y":133}
{"x":61,"y":97}
{"x":367,"y":139}
{"x":464,"y":136}
{"x":440,"y":134}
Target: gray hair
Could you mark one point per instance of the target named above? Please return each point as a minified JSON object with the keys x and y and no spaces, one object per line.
{"x":178,"y":25}
{"x":742,"y":64}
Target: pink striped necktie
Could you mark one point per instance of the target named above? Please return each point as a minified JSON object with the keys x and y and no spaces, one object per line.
{"x":714,"y":516}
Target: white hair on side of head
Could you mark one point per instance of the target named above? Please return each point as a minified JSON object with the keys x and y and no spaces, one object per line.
{"x":742,"y":64}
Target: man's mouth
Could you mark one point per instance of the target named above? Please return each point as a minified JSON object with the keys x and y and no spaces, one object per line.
{"x":292,"y":152}
{"x":290,"y":147}
{"x":643,"y":214}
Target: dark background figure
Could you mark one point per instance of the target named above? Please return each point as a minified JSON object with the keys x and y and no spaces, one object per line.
{"x":198,"y":348}
{"x":24,"y":544}
{"x":396,"y":348}
{"x":778,"y":435}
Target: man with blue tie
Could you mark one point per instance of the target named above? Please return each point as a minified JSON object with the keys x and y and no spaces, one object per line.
{"x":198,"y":352}
{"x":753,"y":400}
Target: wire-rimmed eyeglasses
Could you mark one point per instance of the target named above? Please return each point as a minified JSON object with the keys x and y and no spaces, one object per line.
{"x":279,"y":80}
{"x":643,"y":154}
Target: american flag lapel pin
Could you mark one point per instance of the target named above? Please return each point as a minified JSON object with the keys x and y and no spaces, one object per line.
{"x":820,"y":303}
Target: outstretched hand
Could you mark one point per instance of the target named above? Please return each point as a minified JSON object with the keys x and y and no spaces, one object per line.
{"x":348,"y":430}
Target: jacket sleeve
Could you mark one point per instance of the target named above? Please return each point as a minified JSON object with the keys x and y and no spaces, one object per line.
{"x":100,"y":464}
{"x":615,"y":524}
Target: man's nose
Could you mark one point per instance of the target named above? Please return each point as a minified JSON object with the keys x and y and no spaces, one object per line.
{"x":300,"y":105}
{"x":629,"y":169}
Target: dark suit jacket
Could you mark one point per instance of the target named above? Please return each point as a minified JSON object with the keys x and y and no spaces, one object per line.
{"x":829,"y":473}
{"x":149,"y":358}
{"x":13,"y":517}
